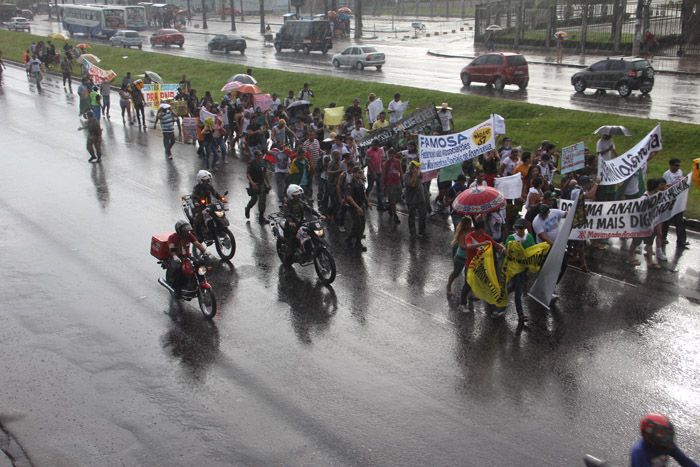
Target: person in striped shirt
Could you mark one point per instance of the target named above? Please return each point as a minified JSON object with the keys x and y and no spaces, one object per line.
{"x":167,"y":126}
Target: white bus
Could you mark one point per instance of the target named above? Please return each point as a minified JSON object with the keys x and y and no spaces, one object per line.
{"x":93,"y":20}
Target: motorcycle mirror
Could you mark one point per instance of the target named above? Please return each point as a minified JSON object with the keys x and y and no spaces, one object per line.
{"x":225,"y":192}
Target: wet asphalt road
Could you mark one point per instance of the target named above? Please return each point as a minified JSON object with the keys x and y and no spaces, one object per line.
{"x":674,"y":97}
{"x":101,"y":367}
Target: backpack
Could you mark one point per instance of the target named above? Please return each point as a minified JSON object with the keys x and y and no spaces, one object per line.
{"x":320,"y":163}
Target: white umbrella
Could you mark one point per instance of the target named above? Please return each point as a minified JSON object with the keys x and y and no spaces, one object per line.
{"x":613,"y":130}
{"x":494,"y":27}
{"x":155,"y":77}
{"x":243,"y":79}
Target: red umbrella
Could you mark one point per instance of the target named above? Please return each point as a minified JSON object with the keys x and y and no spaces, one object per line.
{"x":83,"y":46}
{"x":332,"y":14}
{"x":249,"y":89}
{"x":478,"y":200}
{"x":232,"y":85}
{"x":345,"y":10}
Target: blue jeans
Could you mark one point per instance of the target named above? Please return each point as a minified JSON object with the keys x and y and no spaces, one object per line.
{"x":209,"y":147}
{"x":97,"y":112}
{"x":371,"y":180}
{"x":222,"y":146}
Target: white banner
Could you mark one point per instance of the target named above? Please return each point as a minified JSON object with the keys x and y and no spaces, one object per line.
{"x":621,"y":168}
{"x":543,"y":287}
{"x":437,"y":152}
{"x":374,"y":109}
{"x":631,"y":218}
{"x":511,"y":186}
{"x":572,"y":158}
{"x":499,"y":124}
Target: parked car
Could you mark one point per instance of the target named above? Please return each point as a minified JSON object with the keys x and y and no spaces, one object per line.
{"x":304,"y":35}
{"x":359,"y":57}
{"x":19,"y":24}
{"x":227,"y":42}
{"x":618,"y":74}
{"x":497,"y":69}
{"x":125,"y":38}
{"x":167,"y":37}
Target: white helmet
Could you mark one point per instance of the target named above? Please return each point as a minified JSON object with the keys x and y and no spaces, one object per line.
{"x":203,"y":175}
{"x":295,"y":192}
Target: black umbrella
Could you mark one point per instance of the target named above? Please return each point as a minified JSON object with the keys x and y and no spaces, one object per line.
{"x":613,"y":130}
{"x":243,"y":79}
{"x":298,"y":104}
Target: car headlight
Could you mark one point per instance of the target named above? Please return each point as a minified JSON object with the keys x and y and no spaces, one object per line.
{"x":202,"y":270}
{"x":318,"y":233}
{"x":219,"y":213}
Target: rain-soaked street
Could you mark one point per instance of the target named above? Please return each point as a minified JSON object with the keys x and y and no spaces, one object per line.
{"x":101,"y":367}
{"x":435,"y":63}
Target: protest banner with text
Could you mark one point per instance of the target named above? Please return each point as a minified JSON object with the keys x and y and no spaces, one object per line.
{"x":623,"y":167}
{"x":437,"y":152}
{"x":630,"y":218}
{"x":425,"y":117}
{"x":154,"y":94}
{"x":572,"y":158}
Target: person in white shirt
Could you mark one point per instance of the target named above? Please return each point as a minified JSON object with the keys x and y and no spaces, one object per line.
{"x":479,"y":179}
{"x":606,"y":147}
{"x":672,"y":176}
{"x":395,"y":109}
{"x":445,"y":116}
{"x":289,"y":99}
{"x":275,"y":103}
{"x":359,"y":131}
{"x":508,"y":163}
{"x":306,"y":94}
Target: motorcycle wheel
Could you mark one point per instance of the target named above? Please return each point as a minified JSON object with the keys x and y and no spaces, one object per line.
{"x":207,"y":302}
{"x":325,"y":266}
{"x":281,"y":249}
{"x":226,"y":245}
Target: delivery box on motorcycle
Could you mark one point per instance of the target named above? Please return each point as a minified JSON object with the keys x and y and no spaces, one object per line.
{"x":159,"y":246}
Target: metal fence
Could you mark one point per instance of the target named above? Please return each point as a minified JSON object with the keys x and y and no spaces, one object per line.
{"x":606,"y":27}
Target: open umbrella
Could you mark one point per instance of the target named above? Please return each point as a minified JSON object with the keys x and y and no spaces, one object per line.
{"x":155,"y":77}
{"x":91,"y":58}
{"x":494,"y":27}
{"x":58,"y":36}
{"x":332,"y":14}
{"x":247,"y":79}
{"x":296,"y":104}
{"x":613,"y":130}
{"x":345,"y":10}
{"x":249,"y":89}
{"x":232,"y":85}
{"x":83,"y":46}
{"x":478,"y":200}
{"x":561,"y":34}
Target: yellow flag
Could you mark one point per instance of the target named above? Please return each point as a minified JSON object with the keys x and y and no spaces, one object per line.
{"x":519,"y":259}
{"x":333,"y":116}
{"x":483,"y":278}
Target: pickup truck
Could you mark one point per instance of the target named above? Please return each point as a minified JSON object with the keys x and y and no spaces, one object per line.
{"x":167,"y":37}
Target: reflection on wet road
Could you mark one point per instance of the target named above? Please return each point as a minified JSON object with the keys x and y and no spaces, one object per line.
{"x":382,"y":369}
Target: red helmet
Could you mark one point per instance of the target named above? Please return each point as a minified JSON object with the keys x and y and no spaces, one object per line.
{"x":657,"y":429}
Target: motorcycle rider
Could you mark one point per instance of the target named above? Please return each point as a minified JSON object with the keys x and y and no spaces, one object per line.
{"x":203,"y":190}
{"x":657,"y":444}
{"x":293,"y":209}
{"x":179,"y":245}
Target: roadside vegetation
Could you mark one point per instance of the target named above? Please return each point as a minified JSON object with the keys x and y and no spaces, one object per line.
{"x":527,"y":124}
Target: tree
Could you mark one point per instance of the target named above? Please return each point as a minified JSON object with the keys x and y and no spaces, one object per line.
{"x":233,"y":16}
{"x":204,"y":14}
{"x":690,"y":22}
{"x":358,"y":19}
{"x":262,"y":16}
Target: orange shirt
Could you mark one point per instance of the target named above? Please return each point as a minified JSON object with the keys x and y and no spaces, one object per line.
{"x":522,"y":169}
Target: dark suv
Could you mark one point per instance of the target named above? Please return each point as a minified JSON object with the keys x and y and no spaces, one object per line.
{"x":497,"y":69}
{"x":227,"y":42}
{"x":304,"y":35}
{"x":619,"y":74}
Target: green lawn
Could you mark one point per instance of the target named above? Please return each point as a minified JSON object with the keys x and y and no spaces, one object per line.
{"x":527,"y":124}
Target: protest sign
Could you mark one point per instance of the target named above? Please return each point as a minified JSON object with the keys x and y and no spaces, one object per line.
{"x":543,"y":287}
{"x":399,"y":110}
{"x":374,"y":109}
{"x":203,"y":115}
{"x":97,"y":74}
{"x":437,"y":152}
{"x":621,"y":168}
{"x":333,"y":116}
{"x":425,"y":117}
{"x":189,"y":127}
{"x":264,"y":101}
{"x":499,"y":124}
{"x":449,"y":173}
{"x":572,"y":158}
{"x":179,"y":108}
{"x":154,"y":94}
{"x":630,"y":218}
{"x":511,"y":186}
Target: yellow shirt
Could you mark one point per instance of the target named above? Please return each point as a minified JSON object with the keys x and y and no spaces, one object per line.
{"x":522,"y":169}
{"x":379,"y":124}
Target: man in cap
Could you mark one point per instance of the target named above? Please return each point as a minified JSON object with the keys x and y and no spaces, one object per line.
{"x":259,"y":185}
{"x":445,"y":115}
{"x":356,"y":200}
{"x":354,"y":111}
{"x":548,"y":199}
{"x":167,"y":126}
{"x":521,"y":236}
{"x":415,"y":199}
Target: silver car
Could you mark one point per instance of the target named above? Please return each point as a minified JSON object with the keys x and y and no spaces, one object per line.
{"x":125,"y":38}
{"x":359,"y":57}
{"x":19,"y":24}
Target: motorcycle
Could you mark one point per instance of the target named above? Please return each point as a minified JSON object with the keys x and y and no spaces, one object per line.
{"x":214,"y":226}
{"x":311,"y":246}
{"x":196,"y":286}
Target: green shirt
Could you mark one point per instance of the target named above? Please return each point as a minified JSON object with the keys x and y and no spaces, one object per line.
{"x":529,"y":241}
{"x":94,"y":98}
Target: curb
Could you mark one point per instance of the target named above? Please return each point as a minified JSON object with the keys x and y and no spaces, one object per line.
{"x":567,"y":65}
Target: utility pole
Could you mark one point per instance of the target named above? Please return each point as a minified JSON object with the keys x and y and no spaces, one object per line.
{"x":358,"y":19}
{"x":638,"y":27}
{"x":262,"y":16}
{"x":233,"y":16}
{"x":204,"y":14}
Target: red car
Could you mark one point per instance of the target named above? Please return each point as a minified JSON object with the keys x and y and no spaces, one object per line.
{"x":497,"y":69}
{"x":167,"y":37}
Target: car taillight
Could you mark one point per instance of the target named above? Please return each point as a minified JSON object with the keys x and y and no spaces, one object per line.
{"x":633,"y":74}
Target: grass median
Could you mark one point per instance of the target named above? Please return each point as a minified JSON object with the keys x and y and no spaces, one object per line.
{"x":527,"y":124}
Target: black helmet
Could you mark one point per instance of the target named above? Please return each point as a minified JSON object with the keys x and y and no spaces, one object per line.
{"x":182,"y":228}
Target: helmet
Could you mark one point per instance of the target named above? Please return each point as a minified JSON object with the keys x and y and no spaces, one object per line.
{"x":182,"y":227}
{"x":203,"y":176}
{"x":657,"y":430}
{"x":294,"y":192}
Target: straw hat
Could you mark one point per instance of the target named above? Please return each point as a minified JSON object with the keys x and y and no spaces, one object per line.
{"x":444,"y":106}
